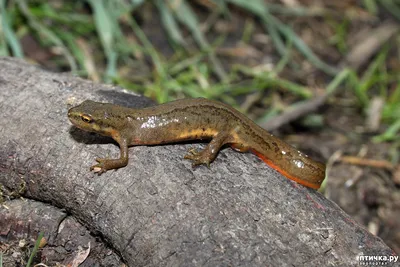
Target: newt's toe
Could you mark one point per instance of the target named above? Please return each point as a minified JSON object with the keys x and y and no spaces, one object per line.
{"x":100,"y":167}
{"x":197,"y":158}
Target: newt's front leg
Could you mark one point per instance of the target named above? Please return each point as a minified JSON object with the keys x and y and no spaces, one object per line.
{"x":105,"y":164}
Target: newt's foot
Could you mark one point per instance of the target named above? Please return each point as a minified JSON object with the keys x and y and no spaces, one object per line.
{"x":109,"y":164}
{"x":198,"y":158}
{"x":101,"y":167}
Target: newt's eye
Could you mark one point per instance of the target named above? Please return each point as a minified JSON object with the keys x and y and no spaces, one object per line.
{"x":86,"y":118}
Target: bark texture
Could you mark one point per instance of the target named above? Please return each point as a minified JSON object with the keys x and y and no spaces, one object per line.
{"x":159,"y":211}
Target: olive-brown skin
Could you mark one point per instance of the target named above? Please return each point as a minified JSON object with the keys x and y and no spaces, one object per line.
{"x":192,"y":119}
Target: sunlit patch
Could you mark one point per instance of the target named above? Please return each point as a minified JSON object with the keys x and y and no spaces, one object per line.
{"x":301,"y":154}
{"x":298,"y":163}
{"x":156,"y":121}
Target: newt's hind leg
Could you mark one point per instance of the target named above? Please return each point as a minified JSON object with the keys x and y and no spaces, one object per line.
{"x":208,"y":154}
{"x":241,"y":147}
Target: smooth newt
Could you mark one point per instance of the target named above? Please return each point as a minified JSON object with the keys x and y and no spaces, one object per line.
{"x":192,"y":119}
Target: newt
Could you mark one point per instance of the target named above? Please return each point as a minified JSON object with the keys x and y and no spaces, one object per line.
{"x":192,"y":119}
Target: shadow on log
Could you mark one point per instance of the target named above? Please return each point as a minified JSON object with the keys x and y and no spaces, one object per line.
{"x":158,"y":211}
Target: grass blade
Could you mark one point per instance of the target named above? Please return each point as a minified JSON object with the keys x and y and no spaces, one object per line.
{"x":186,"y":16}
{"x":53,"y":38}
{"x":169,"y":23}
{"x":105,"y":26}
{"x":275,"y":28}
{"x":9,"y":34}
{"x":35,"y":249}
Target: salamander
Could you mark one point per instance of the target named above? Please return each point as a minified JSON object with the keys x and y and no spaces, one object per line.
{"x":192,"y":119}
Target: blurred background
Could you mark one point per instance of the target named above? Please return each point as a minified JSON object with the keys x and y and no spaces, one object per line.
{"x":323,"y":75}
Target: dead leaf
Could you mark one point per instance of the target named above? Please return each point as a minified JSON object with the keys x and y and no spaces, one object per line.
{"x":81,"y":256}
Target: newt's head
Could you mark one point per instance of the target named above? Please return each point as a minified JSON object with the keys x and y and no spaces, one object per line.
{"x":102,"y":118}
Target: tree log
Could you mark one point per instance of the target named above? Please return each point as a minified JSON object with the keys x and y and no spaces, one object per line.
{"x":159,"y":211}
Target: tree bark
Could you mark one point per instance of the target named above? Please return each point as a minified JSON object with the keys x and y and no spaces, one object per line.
{"x":159,"y":211}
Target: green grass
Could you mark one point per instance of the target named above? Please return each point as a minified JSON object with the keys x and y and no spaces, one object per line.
{"x":35,"y":249}
{"x":377,"y":81}
{"x":119,"y":49}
